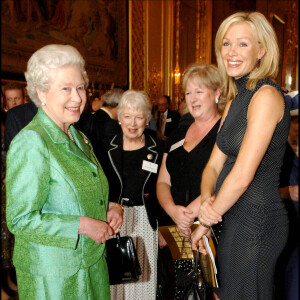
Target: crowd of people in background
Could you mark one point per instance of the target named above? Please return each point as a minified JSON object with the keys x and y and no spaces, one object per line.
{"x":76,"y":171}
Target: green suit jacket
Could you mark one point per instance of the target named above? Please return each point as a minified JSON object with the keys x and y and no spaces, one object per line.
{"x":50,"y":182}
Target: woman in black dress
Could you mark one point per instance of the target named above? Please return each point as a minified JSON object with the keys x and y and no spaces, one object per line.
{"x":240,"y":181}
{"x":178,"y":184}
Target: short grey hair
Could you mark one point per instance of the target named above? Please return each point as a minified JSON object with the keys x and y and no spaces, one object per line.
{"x":135,"y":100}
{"x":47,"y":58}
{"x":112,"y":97}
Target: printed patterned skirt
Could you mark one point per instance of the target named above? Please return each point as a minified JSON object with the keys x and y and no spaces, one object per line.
{"x":137,"y":226}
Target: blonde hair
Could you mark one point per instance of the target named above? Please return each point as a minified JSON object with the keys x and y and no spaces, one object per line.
{"x":204,"y":75}
{"x":51,"y":57}
{"x":207,"y":75}
{"x":265,"y":34}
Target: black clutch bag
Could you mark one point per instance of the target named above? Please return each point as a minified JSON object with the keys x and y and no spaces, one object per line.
{"x":122,"y":260}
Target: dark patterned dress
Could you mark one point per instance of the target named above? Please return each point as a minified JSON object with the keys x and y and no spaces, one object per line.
{"x":255,"y":229}
{"x":7,"y":239}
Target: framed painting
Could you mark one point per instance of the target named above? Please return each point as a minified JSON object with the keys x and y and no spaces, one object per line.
{"x":97,"y":28}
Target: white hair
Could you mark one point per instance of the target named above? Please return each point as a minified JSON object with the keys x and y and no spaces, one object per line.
{"x":135,"y":100}
{"x":112,"y":97}
{"x":47,"y":58}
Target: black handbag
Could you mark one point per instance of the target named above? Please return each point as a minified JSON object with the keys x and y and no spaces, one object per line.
{"x":197,"y":290}
{"x":122,"y":260}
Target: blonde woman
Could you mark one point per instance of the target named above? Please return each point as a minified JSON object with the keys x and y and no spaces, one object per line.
{"x":240,"y":180}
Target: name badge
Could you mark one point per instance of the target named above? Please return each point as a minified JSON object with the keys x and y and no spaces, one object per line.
{"x":176,"y":145}
{"x":149,"y":166}
{"x":169,"y":120}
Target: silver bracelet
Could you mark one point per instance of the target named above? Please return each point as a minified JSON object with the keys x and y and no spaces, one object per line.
{"x":204,"y":225}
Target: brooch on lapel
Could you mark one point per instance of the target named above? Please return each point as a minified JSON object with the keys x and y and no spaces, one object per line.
{"x":87,"y":143}
{"x":149,"y":156}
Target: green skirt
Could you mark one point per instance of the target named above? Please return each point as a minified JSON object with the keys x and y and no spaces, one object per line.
{"x":87,"y":284}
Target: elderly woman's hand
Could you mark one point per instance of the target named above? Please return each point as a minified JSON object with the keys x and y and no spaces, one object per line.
{"x":115,"y":216}
{"x":207,"y":215}
{"x":97,"y":230}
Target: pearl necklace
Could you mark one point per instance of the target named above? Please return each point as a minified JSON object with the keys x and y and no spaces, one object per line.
{"x":70,"y":135}
{"x":141,"y":140}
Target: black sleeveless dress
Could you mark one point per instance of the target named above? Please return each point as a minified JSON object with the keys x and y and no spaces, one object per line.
{"x":185,"y":168}
{"x":255,"y":229}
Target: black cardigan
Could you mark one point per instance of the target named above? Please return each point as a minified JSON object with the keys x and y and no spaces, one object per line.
{"x":148,"y":193}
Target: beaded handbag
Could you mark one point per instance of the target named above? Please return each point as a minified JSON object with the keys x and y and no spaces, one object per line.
{"x":189,"y":277}
{"x":183,"y":261}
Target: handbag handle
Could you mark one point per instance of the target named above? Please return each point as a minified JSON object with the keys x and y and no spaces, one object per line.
{"x":118,"y":237}
{"x":196,"y":262}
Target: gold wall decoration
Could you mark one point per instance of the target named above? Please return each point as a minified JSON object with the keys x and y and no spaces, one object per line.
{"x":192,"y":40}
{"x":154,"y":84}
{"x":176,"y":72}
{"x":203,"y":35}
{"x":197,"y":30}
{"x":168,"y":48}
{"x":203,"y":31}
{"x":292,"y":48}
{"x":137,"y":46}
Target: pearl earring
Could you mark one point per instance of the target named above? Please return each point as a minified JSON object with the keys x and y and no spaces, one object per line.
{"x":43,"y":103}
{"x":217,"y":100}
{"x":119,"y":123}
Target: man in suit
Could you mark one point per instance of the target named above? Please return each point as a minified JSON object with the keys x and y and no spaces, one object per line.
{"x":16,"y":119}
{"x":167,"y":120}
{"x":103,"y":125}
